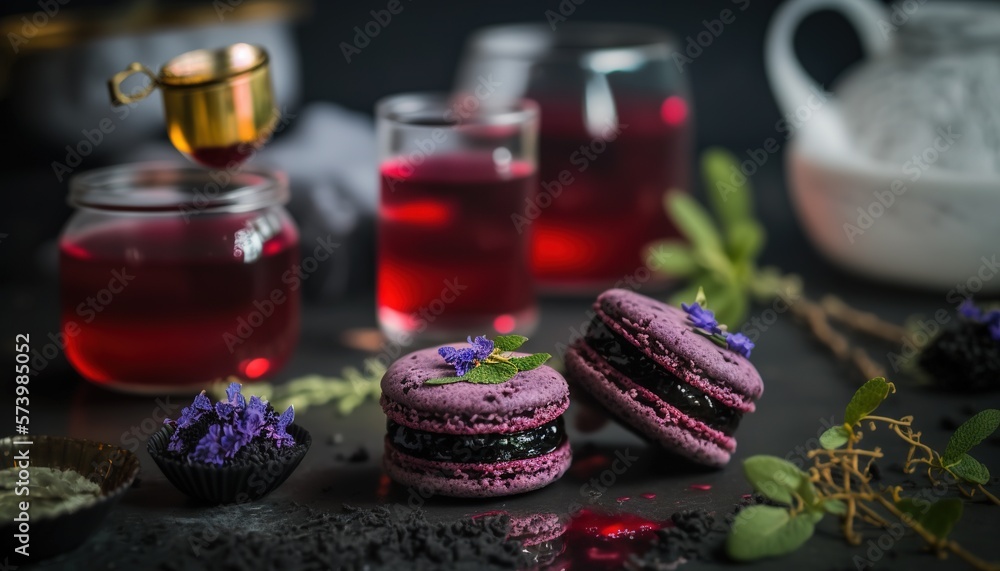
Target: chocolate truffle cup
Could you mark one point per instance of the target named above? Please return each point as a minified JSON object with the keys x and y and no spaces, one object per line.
{"x":226,"y":484}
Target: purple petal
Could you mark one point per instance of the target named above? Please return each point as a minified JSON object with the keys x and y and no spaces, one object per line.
{"x":969,"y":310}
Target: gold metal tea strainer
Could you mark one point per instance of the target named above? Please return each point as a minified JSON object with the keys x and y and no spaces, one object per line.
{"x":219,"y":104}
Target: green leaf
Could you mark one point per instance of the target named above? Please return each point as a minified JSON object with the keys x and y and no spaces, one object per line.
{"x":745,"y":240}
{"x":491,"y":373}
{"x":672,"y":257}
{"x":767,"y":531}
{"x":913,"y":507}
{"x":530,"y":362}
{"x":777,"y":479}
{"x":866,"y":400}
{"x":730,"y":305}
{"x":971,"y":470}
{"x":444,"y":380}
{"x":727,"y":188}
{"x":508,"y":342}
{"x":693,"y":221}
{"x":700,"y":297}
{"x":942,"y":516}
{"x":834,"y":437}
{"x":835,"y":507}
{"x":970,"y":433}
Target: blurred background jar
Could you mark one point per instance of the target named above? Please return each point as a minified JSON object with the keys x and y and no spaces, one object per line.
{"x":174,"y":276}
{"x":614,"y":136}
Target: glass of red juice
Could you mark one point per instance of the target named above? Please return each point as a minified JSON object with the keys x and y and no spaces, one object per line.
{"x":172,"y":277}
{"x":614,"y":137}
{"x":451,"y":260}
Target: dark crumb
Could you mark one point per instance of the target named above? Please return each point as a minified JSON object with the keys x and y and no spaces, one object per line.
{"x":356,"y":457}
{"x":964,"y":359}
{"x":695,"y":535}
{"x":260,"y":450}
{"x":875,"y":472}
{"x":948,"y":423}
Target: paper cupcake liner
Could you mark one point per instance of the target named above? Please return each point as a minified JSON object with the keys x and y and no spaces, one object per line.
{"x":112,"y":467}
{"x":225,"y":484}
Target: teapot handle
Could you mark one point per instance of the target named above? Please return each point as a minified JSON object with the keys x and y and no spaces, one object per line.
{"x":791,"y":85}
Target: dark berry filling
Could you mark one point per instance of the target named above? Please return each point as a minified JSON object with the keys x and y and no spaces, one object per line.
{"x":477,"y":447}
{"x":630,"y":361}
{"x":964,"y":359}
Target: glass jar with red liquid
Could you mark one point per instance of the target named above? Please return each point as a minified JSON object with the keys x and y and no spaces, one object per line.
{"x":172,"y":277}
{"x":452,"y":261}
{"x":614,"y":137}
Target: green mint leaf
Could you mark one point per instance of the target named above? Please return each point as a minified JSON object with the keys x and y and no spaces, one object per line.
{"x":508,"y":342}
{"x":693,"y":221}
{"x":729,"y":192}
{"x":971,"y":470}
{"x":773,"y":477}
{"x":445,"y":380}
{"x":530,"y":362}
{"x":942,"y":516}
{"x":767,"y":531}
{"x":834,"y":438}
{"x":672,"y":257}
{"x":866,"y":400}
{"x":970,"y":433}
{"x":491,"y":373}
{"x":835,"y":507}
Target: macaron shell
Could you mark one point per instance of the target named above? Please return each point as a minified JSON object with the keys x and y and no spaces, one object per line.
{"x":645,"y":412}
{"x":528,"y":400}
{"x":476,"y":480}
{"x":664,"y":333}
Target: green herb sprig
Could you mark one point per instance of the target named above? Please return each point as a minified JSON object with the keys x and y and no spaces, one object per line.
{"x":347,"y":391}
{"x":488,"y":362}
{"x":839,"y":483}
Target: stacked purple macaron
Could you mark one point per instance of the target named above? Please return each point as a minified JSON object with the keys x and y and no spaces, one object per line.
{"x":648,"y":365}
{"x":473,"y":440}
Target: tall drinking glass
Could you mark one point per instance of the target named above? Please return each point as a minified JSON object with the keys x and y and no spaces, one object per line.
{"x":615,"y":123}
{"x":451,"y":261}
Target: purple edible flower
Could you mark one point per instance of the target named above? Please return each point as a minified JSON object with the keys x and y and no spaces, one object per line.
{"x":701,"y":317}
{"x":209,"y":449}
{"x":969,"y":310}
{"x":280,"y":435}
{"x":995,"y":330}
{"x":481,"y":347}
{"x":464,"y":359}
{"x":740,"y":343}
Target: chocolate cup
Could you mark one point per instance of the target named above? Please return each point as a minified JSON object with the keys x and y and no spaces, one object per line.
{"x":112,"y":467}
{"x":225,"y":484}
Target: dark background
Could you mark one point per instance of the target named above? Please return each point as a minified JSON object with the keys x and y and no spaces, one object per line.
{"x":420,"y":51}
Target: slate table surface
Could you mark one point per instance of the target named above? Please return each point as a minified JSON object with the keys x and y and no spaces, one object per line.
{"x":805,"y":391}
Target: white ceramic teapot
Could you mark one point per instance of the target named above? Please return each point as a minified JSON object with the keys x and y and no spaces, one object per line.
{"x":897,"y":174}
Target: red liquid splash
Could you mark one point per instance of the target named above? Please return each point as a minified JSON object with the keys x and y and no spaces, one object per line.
{"x":449,"y":255}
{"x":649,"y":496}
{"x":701,"y":487}
{"x":157,"y":302}
{"x":593,"y":230}
{"x":595,"y":540}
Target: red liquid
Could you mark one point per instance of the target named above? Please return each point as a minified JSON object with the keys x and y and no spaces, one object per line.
{"x":160,"y":303}
{"x":450,"y":259}
{"x":596,"y":540}
{"x":594,"y":232}
{"x":223,"y":157}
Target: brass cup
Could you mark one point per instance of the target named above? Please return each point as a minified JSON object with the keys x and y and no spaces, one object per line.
{"x":218,"y":104}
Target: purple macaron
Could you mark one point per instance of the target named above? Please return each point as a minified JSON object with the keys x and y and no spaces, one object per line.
{"x":473,"y":440}
{"x":643,"y":360}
